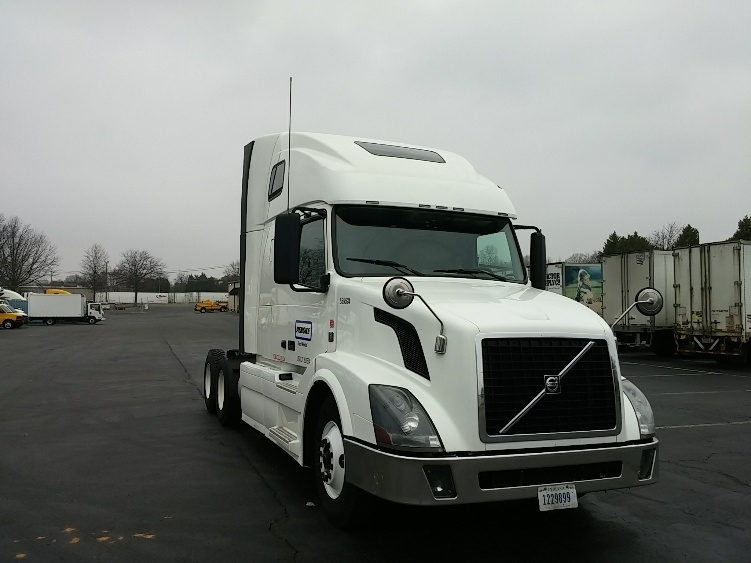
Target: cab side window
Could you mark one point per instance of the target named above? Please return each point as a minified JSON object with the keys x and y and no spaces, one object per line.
{"x":312,"y":257}
{"x":276,"y":181}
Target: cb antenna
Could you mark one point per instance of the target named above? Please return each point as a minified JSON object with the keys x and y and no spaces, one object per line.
{"x":289,"y":143}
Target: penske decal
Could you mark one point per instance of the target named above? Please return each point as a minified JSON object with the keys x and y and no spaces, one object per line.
{"x":304,"y":330}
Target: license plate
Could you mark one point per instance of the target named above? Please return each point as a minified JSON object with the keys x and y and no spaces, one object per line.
{"x":555,"y":497}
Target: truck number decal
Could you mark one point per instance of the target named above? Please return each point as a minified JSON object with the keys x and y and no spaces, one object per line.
{"x":344,"y":301}
{"x":303,"y":360}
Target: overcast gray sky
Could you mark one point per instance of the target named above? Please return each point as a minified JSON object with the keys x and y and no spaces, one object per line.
{"x":123,"y":123}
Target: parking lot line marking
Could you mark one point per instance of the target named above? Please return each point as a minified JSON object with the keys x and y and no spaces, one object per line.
{"x":702,"y":392}
{"x":676,"y":368}
{"x":664,"y":375}
{"x":687,"y":374}
{"x":703,"y":425}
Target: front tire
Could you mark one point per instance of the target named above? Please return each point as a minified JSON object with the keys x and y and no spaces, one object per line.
{"x":341,"y":501}
{"x":8,"y":324}
{"x":91,"y":320}
{"x":227,"y":406}
{"x":223,"y":310}
{"x":210,"y":369}
{"x":203,"y":309}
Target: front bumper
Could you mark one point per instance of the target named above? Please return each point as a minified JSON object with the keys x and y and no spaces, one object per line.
{"x":477,"y":479}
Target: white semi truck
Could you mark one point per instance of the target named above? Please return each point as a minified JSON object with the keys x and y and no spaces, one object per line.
{"x":73,"y":307}
{"x":392,"y":340}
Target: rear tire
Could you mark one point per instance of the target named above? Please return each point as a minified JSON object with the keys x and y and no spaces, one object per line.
{"x":49,"y":322}
{"x":341,"y":501}
{"x":203,"y":309}
{"x":663,"y":343}
{"x":210,"y":368}
{"x":223,"y":310}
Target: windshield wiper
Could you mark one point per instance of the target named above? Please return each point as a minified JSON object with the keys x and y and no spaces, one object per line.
{"x":472,"y":271}
{"x":395,"y":265}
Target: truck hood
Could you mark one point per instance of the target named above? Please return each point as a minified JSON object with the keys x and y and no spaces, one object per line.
{"x":495,"y":306}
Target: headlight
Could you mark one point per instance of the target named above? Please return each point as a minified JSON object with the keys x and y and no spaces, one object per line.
{"x":400,"y":421}
{"x":641,"y":406}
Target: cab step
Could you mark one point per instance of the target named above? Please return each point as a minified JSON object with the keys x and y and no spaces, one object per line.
{"x":287,"y":439}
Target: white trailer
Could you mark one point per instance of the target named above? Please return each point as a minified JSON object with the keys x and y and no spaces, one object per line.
{"x":392,"y":339}
{"x":580,"y":282}
{"x":623,"y":276}
{"x":52,"y":308}
{"x":713,"y":294}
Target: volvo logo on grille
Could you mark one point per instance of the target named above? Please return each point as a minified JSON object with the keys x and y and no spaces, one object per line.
{"x":552,"y":384}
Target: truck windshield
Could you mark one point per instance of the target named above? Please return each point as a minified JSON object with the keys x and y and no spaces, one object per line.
{"x":389,"y":241}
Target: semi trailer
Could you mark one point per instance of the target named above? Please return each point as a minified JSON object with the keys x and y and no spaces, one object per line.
{"x":712,"y":298}
{"x":580,"y":282}
{"x":623,"y":277}
{"x":392,"y":340}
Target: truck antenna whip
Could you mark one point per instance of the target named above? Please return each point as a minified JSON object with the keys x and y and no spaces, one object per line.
{"x":289,"y":143}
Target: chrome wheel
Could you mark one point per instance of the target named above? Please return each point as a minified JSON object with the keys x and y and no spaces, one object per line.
{"x":331,"y":459}
{"x":207,"y":380}
{"x":220,"y":390}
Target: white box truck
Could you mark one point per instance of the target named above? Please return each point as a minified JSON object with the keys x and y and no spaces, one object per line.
{"x":580,"y":282}
{"x":392,"y":340}
{"x":712,"y":297}
{"x":73,"y":307}
{"x":623,"y":276}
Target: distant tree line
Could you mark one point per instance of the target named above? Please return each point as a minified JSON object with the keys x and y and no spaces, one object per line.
{"x":188,"y":283}
{"x":670,"y":236}
{"x":27,"y":257}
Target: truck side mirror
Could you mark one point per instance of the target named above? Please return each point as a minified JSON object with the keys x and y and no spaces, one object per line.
{"x":537,"y":260}
{"x":648,"y":302}
{"x":287,"y":248}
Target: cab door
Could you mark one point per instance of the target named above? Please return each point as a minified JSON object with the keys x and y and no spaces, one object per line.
{"x":297,"y":317}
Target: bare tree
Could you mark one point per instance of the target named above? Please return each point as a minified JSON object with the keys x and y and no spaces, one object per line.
{"x":488,"y":256}
{"x":26,"y":255}
{"x":94,"y":268}
{"x":135,"y":267}
{"x":585,"y":257}
{"x":232,"y":271}
{"x":666,"y":237}
{"x":181,"y":282}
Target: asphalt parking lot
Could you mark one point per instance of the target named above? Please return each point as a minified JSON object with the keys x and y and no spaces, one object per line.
{"x":107,"y":453}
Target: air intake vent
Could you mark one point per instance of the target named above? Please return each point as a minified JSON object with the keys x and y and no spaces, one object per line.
{"x":409,"y":342}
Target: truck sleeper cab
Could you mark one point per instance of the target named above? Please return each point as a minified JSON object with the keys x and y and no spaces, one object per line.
{"x":391,"y":337}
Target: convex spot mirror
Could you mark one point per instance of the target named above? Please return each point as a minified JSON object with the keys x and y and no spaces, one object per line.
{"x":649,"y":301}
{"x":397,"y":293}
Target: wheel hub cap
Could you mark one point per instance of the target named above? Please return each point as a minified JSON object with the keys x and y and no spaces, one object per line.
{"x":331,"y":460}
